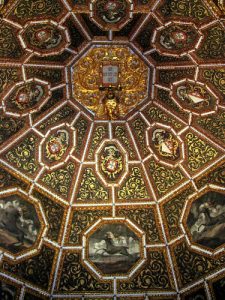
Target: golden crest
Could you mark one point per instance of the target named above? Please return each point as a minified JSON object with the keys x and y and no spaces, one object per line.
{"x":110,"y":104}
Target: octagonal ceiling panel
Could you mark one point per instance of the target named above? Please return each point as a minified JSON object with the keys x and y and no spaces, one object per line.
{"x":112,"y":136}
{"x":22,"y":224}
{"x":114,"y":248}
{"x":26,"y":97}
{"x":176,"y":38}
{"x":204,"y":221}
{"x":111,"y":15}
{"x":129,"y":91}
{"x":194,"y":96}
{"x":44,"y":37}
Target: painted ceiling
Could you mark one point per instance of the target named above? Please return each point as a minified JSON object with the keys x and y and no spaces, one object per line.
{"x":112,"y":194}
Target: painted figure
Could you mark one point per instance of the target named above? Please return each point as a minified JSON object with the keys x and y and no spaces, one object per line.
{"x":114,"y":248}
{"x":206,"y":221}
{"x":18,"y":228}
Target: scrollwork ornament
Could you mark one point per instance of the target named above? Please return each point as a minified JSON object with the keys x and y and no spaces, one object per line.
{"x":157,"y":115}
{"x":145,"y":218}
{"x":9,"y":45}
{"x":99,"y":133}
{"x":75,"y":278}
{"x":8,"y":76}
{"x":153,"y":276}
{"x":35,"y":270}
{"x":81,"y":127}
{"x":121,"y":134}
{"x":214,"y":124}
{"x":54,"y":213}
{"x":91,"y":188}
{"x":29,"y":9}
{"x":186,"y":9}
{"x":81,"y":220}
{"x":216,"y":177}
{"x":199,"y":152}
{"x":23,"y":155}
{"x":9,"y":126}
{"x":212,"y":46}
{"x":7,"y":180}
{"x":134,"y":187}
{"x":62,"y":114}
{"x":216,"y":77}
{"x":192,"y":266}
{"x":140,"y":127}
{"x":164,"y":178}
{"x":172,"y":211}
{"x":60,"y":179}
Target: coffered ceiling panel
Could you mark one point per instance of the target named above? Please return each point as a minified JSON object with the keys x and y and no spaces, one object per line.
{"x":112,"y":157}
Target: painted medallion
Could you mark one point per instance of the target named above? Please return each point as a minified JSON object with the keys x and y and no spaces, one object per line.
{"x":43,"y":36}
{"x":114,"y":248}
{"x":177,"y":38}
{"x":195,"y":96}
{"x":111,"y":11}
{"x":27,"y":97}
{"x":206,"y":220}
{"x":56,"y":145}
{"x":111,"y":162}
{"x":165,"y":144}
{"x":19,"y":224}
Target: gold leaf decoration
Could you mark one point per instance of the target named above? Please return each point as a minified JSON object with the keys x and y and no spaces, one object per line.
{"x":133,"y":79}
{"x":134,"y":188}
{"x":164,"y":177}
{"x":23,"y":155}
{"x":199,"y":152}
{"x":60,"y":180}
{"x":91,"y":188}
{"x":100,"y":132}
{"x":122,"y":135}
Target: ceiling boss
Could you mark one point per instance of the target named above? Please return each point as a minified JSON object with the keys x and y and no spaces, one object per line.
{"x":110,"y":81}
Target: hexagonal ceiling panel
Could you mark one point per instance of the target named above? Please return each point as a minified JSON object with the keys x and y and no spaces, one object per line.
{"x":112,"y":154}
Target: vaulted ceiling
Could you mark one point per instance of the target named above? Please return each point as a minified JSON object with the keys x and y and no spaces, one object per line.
{"x":121,"y":196}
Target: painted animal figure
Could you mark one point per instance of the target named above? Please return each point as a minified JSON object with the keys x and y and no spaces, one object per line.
{"x":211,"y":221}
{"x":111,"y":246}
{"x":9,"y":220}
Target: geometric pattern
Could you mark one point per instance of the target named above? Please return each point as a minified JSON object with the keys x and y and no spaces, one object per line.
{"x":126,"y":208}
